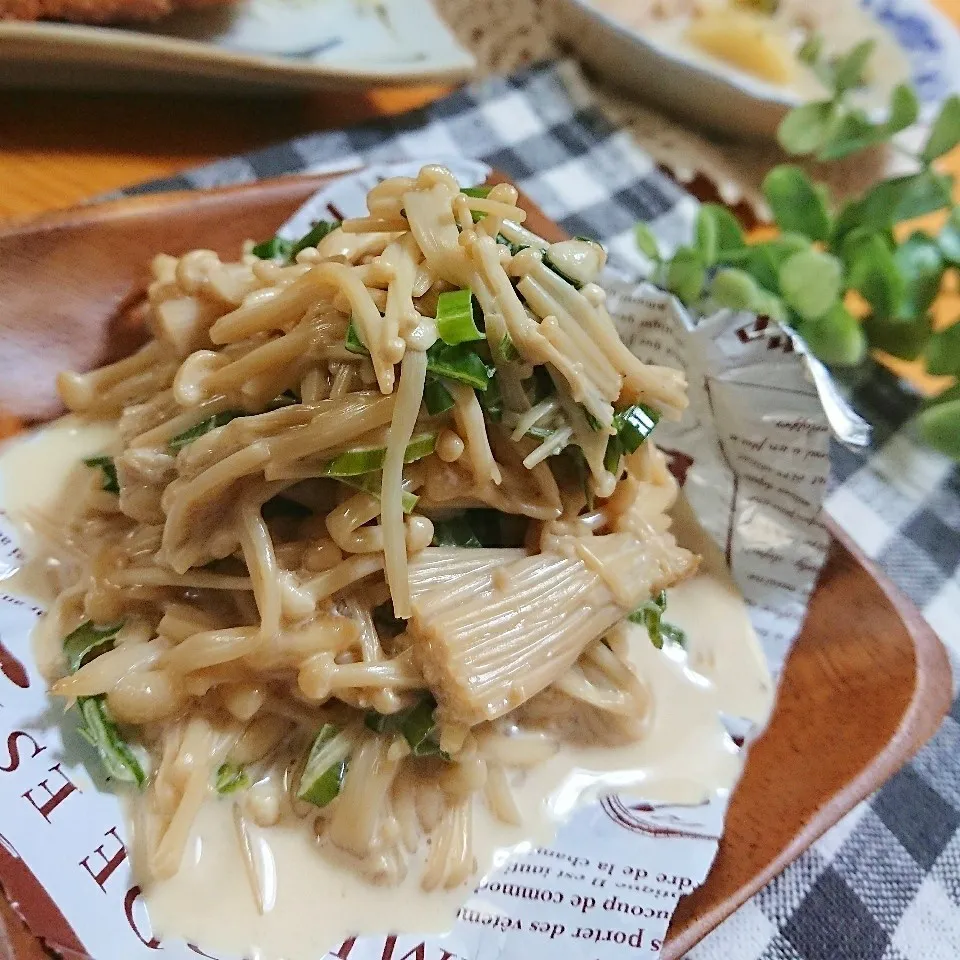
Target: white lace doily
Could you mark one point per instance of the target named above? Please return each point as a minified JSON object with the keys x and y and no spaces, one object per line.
{"x":505,"y":35}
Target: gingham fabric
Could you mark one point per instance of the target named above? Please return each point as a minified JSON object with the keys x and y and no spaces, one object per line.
{"x":884,"y":884}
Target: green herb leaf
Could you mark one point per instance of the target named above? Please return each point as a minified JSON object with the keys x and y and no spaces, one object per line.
{"x":647,"y":242}
{"x":352,"y":463}
{"x":921,"y":264}
{"x":460,"y":362}
{"x":106,"y":464}
{"x":650,"y":615}
{"x":353,"y":343}
{"x":100,"y":731}
{"x":686,"y":275}
{"x":805,"y":129}
{"x":810,"y":282}
{"x":734,"y":289}
{"x":455,"y":318}
{"x":945,"y":132}
{"x":492,"y":400}
{"x":892,"y":201}
{"x":900,"y":338}
{"x":942,"y":354}
{"x":436,"y":396}
{"x":326,"y":766}
{"x":313,"y":236}
{"x":904,"y":108}
{"x":204,"y":426}
{"x":276,"y":248}
{"x":949,"y":238}
{"x":811,"y":49}
{"x":706,"y":239}
{"x":230,"y":779}
{"x":730,"y":240}
{"x":482,"y":191}
{"x":836,"y":337}
{"x":508,"y":350}
{"x":848,"y":69}
{"x":850,"y":133}
{"x":796,"y":205}
{"x":88,"y":639}
{"x":939,"y":426}
{"x":416,"y":723}
{"x":874,"y":273}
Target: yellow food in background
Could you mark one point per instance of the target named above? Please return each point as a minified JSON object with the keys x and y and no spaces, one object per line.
{"x":745,"y":41}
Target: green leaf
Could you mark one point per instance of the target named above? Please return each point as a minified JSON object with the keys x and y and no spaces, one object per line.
{"x":491,"y":400}
{"x":326,"y":766}
{"x":810,"y":282}
{"x":455,"y":318}
{"x":109,"y":469}
{"x":770,"y":305}
{"x":939,"y":427}
{"x":650,"y":615}
{"x":313,"y":236}
{"x":373,"y":482}
{"x":706,"y":237}
{"x":276,"y":248}
{"x":436,"y":396}
{"x":686,"y":275}
{"x":899,"y":338}
{"x":358,"y":460}
{"x":942,"y":355}
{"x":893,"y":201}
{"x":945,"y":396}
{"x":204,"y":426}
{"x":87,"y":639}
{"x":921,"y":264}
{"x":454,"y":531}
{"x":735,"y":289}
{"x":904,"y":108}
{"x":945,"y":132}
{"x":230,"y":778}
{"x":796,"y":205}
{"x":836,"y":338}
{"x":481,"y":192}
{"x":100,"y":731}
{"x":763,"y":260}
{"x":848,"y":69}
{"x":811,"y":49}
{"x":729,"y":234}
{"x":508,"y":350}
{"x":353,"y":343}
{"x":852,"y":132}
{"x":420,"y":730}
{"x":873,"y":272}
{"x":805,"y":129}
{"x":949,"y":238}
{"x":646,"y":242}
{"x":461,"y":363}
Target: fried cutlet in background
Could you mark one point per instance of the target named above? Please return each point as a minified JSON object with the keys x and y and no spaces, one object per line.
{"x":97,"y":11}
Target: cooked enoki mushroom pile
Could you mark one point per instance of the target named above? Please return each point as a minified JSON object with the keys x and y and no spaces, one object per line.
{"x":375,"y":503}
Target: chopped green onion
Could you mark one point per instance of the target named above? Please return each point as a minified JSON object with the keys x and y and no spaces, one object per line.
{"x":353,"y":343}
{"x":595,"y":424}
{"x":612,"y":455}
{"x":460,"y":362}
{"x":313,"y":236}
{"x":87,"y":638}
{"x":231,"y":778}
{"x":276,"y":248}
{"x":99,"y":730}
{"x":326,"y":766}
{"x":508,"y":350}
{"x":370,"y":483}
{"x":514,"y":248}
{"x":650,"y":615}
{"x":633,"y":425}
{"x":360,"y":460}
{"x":455,"y":318}
{"x":106,"y":464}
{"x":436,"y":396}
{"x":416,"y":723}
{"x":204,"y":426}
{"x":481,"y":192}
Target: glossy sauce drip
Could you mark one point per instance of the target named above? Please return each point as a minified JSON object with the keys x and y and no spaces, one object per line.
{"x":311,"y":899}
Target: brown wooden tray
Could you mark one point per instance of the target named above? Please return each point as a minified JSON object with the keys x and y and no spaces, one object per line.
{"x":866,"y":684}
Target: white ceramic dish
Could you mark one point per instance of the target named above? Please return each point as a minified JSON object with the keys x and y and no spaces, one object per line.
{"x":264,"y":45}
{"x":730,"y":101}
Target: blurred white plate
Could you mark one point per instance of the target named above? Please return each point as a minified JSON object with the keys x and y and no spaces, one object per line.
{"x":730,"y":101}
{"x":250,"y":45}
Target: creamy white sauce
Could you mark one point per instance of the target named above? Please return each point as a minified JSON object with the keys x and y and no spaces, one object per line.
{"x":312,"y":901}
{"x":841,"y":24}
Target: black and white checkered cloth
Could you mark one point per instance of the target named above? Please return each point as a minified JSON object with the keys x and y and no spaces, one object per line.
{"x":884,"y":884}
